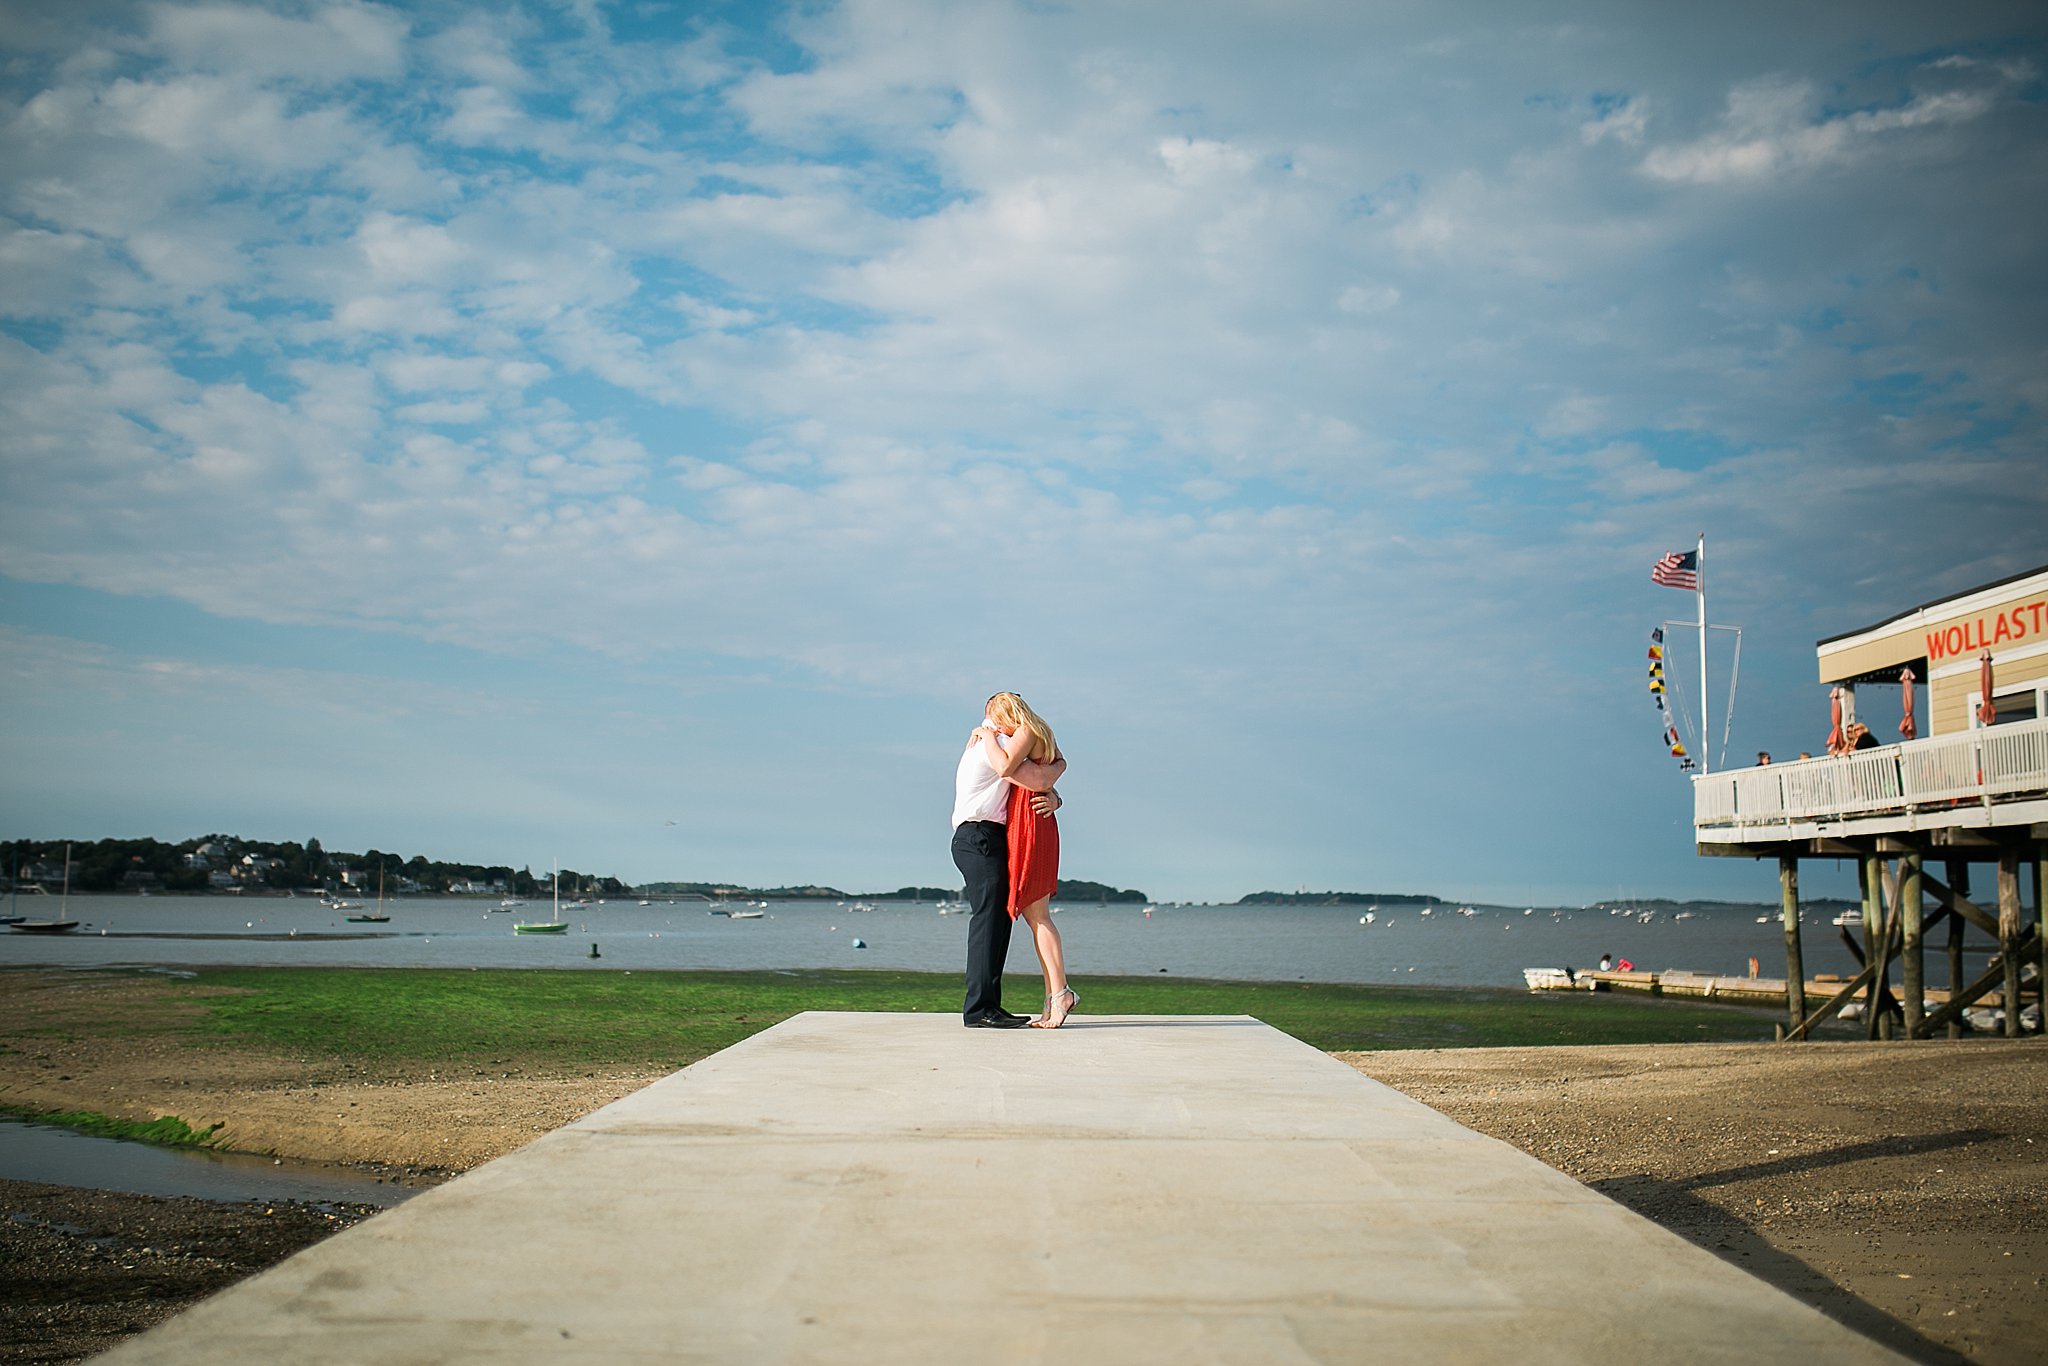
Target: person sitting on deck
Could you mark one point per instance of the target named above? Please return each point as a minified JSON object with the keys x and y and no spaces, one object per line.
{"x":1859,"y":737}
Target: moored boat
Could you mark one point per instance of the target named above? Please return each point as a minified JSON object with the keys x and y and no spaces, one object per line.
{"x":554,"y":926}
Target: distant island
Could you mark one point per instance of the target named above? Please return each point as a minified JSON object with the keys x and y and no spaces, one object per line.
{"x":229,"y":864}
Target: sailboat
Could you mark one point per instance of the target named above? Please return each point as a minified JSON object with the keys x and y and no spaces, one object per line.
{"x":555,"y":926}
{"x":376,"y":917}
{"x":63,"y":924}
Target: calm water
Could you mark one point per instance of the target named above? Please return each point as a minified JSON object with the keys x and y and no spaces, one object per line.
{"x":58,"y":1157}
{"x":1488,"y":948}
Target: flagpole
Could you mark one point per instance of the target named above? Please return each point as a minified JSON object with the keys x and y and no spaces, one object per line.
{"x":1700,"y":597}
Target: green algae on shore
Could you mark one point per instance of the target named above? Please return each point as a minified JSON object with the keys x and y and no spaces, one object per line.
{"x":566,"y":1021}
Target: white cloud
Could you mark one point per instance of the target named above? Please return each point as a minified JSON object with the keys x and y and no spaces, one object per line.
{"x":334,"y":42}
{"x":1775,"y":127}
{"x":1625,"y":121}
{"x":1236,"y":338}
{"x":1363,"y":298}
{"x":444,"y":412}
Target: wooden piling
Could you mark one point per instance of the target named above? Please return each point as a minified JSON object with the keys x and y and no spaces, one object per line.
{"x":2041,"y":927}
{"x":1795,"y":967}
{"x":1870,"y":878}
{"x":1959,"y":884}
{"x":1891,"y":895}
{"x":2009,"y":934}
{"x":1912,"y":960}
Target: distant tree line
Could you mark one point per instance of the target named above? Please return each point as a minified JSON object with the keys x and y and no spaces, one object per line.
{"x":220,"y":862}
{"x":1338,"y":899}
{"x":212,"y":862}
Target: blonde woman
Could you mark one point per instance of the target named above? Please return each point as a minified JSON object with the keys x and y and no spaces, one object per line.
{"x":1014,"y":736}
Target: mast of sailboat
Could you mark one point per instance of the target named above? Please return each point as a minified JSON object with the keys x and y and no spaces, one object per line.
{"x":557,"y":880}
{"x":64,"y":905}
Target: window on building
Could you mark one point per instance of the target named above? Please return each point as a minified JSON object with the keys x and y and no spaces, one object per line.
{"x":2019,"y":706}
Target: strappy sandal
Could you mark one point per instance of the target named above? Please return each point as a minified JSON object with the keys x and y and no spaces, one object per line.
{"x":1046,"y":1021}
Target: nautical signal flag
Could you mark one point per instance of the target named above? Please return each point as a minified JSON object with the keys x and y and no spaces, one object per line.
{"x":1671,"y":740}
{"x":1679,"y":569}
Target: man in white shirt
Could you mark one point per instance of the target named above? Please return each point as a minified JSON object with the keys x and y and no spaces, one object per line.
{"x":981,"y":851}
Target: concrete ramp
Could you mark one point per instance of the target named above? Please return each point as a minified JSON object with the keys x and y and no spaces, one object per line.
{"x":896,"y":1189}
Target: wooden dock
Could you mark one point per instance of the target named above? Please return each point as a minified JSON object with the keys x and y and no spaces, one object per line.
{"x":1678,"y":982}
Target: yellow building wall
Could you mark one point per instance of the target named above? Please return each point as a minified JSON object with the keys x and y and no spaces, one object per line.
{"x":2010,"y":621}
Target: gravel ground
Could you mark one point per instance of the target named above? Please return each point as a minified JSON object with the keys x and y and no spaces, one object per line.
{"x":85,"y":1269}
{"x":1900,"y":1188}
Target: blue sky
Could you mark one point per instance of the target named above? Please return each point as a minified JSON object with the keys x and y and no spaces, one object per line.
{"x":641,"y":435}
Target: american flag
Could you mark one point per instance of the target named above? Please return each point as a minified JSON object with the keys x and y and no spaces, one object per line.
{"x":1679,"y":569}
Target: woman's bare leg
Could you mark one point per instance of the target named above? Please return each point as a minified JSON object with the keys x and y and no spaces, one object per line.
{"x":1052,"y":958}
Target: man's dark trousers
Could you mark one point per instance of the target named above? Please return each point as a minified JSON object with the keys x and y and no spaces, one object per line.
{"x":981,"y":851}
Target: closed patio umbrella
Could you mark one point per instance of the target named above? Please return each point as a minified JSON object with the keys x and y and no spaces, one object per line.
{"x":1906,"y":726}
{"x":1987,"y":712}
{"x":1836,"y":744}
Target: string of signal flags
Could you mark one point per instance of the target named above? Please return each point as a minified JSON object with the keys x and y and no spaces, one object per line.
{"x":1671,"y":740}
{"x":1686,"y":570}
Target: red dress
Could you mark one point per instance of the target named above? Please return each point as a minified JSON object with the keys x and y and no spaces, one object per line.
{"x":1034,"y":852}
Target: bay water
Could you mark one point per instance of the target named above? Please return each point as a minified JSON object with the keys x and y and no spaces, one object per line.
{"x":1480,"y":946}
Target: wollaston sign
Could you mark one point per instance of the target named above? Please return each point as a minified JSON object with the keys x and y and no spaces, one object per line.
{"x":2028,"y":621}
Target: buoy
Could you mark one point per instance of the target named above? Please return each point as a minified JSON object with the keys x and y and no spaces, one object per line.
{"x":860,"y":943}
{"x":594,"y":953}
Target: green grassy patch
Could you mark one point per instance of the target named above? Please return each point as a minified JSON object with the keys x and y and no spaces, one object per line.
{"x":168,"y":1132}
{"x":565,"y":1021}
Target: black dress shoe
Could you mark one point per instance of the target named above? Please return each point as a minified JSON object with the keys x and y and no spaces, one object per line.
{"x":997,"y":1019}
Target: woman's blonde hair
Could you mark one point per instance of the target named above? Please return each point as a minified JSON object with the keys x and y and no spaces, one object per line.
{"x":1008,"y":709}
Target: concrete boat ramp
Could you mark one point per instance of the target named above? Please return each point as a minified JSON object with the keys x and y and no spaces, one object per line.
{"x":868,"y":1188}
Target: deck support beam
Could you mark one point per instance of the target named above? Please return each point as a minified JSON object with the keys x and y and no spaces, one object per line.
{"x":1913,"y":957}
{"x":1831,"y":1005}
{"x":2041,"y":927}
{"x":2009,"y":935}
{"x":1951,"y":1014}
{"x":1870,"y":880}
{"x":1795,"y":964}
{"x":1890,"y":889}
{"x":1955,"y":896}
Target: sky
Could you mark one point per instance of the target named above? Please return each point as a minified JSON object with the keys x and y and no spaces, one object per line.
{"x":642,"y":435}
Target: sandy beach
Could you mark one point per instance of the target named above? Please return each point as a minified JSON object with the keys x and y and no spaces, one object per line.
{"x":1900,"y":1188}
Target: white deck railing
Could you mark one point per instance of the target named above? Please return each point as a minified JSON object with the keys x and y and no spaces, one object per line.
{"x":1999,"y":763}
